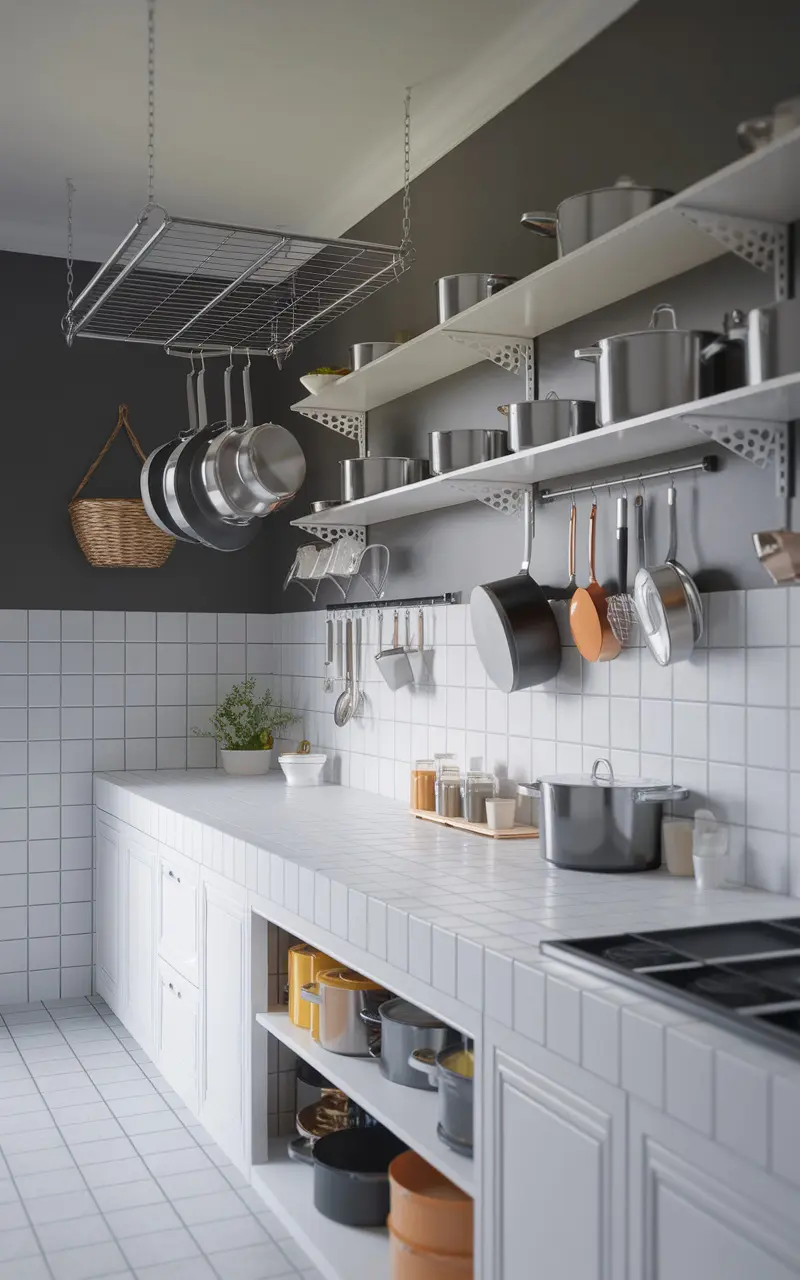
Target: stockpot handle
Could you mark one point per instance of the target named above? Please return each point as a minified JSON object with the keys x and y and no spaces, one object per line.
{"x":529,"y":789}
{"x":425,"y":1060}
{"x":301,"y":1150}
{"x":373,"y":1017}
{"x":587,"y":353}
{"x":248,"y":395}
{"x":663,"y":309}
{"x":541,"y":223}
{"x":596,"y":767}
{"x":228,"y":396}
{"x":659,"y":795}
{"x":310,"y":992}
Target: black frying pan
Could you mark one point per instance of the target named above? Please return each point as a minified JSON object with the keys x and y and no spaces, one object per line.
{"x":515,"y":629}
{"x":196,"y":506}
{"x":152,"y":478}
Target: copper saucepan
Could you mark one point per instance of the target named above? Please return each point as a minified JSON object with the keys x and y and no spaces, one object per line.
{"x":588,"y":612}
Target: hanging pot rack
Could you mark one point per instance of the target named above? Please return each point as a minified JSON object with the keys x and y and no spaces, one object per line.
{"x":191,"y":285}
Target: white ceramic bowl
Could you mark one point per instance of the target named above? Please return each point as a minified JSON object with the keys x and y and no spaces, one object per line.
{"x":303,"y":771}
{"x":316,"y":382}
{"x":246,"y":764}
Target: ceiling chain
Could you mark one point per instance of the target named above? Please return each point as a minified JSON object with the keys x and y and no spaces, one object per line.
{"x":151,"y":102}
{"x":70,"y":252}
{"x":406,"y":243}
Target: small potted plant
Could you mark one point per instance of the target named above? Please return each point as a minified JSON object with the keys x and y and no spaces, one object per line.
{"x":318,"y":379}
{"x":245,"y":728}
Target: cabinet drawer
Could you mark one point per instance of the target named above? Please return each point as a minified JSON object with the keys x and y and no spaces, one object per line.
{"x":177,"y":914}
{"x":178,"y":1033}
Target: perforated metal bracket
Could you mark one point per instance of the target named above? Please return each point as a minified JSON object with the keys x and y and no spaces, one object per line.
{"x":515,"y":355}
{"x":333,"y":532}
{"x":507,"y":499}
{"x":762,"y":443}
{"x":763,"y":244}
{"x":350,"y":424}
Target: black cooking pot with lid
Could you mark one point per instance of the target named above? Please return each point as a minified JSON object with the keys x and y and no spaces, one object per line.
{"x":351,"y":1173}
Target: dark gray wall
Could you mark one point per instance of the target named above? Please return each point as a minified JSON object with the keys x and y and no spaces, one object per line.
{"x":658,"y":95}
{"x":59,"y":405}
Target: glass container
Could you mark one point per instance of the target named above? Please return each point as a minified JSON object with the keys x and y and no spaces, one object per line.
{"x":477,"y":788}
{"x":448,"y":792}
{"x":423,"y":785}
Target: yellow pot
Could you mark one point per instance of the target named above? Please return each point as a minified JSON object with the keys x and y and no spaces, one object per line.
{"x":305,"y":965}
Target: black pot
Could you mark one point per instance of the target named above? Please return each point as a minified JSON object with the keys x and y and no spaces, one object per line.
{"x":351,"y":1174}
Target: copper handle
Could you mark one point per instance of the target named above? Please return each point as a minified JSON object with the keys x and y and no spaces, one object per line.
{"x":592,"y":525}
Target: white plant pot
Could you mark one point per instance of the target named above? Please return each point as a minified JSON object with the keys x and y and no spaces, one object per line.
{"x":316,"y":382}
{"x":246,"y":764}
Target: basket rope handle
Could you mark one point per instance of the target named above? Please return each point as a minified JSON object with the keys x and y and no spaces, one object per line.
{"x":122,"y":421}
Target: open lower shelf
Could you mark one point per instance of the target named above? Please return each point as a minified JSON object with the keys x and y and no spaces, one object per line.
{"x":658,"y":433}
{"x":410,"y":1113}
{"x":339,"y":1253}
{"x":657,"y":245}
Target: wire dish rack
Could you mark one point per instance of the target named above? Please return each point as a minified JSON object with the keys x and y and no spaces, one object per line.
{"x":189,"y":285}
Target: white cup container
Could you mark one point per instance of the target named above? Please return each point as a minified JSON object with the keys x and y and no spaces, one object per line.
{"x":302,"y":770}
{"x":709,"y":870}
{"x":500,"y":813}
{"x":677,"y":835}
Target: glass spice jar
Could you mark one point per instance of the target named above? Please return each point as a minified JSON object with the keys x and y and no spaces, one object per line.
{"x":423,"y":785}
{"x":448,"y":792}
{"x":477,"y":787}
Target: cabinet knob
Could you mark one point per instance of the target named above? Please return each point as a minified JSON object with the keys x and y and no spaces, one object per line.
{"x":171,"y":987}
{"x":179,"y":995}
{"x":171,"y":874}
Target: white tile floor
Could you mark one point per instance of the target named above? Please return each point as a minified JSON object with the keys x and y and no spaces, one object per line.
{"x":104,"y":1173}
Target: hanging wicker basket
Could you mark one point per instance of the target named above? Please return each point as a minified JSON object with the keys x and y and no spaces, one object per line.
{"x":117,"y":533}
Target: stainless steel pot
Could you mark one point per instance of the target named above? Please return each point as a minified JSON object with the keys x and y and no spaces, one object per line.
{"x":457,"y":293}
{"x":597,"y":822}
{"x":323,"y":504}
{"x":760,"y":131}
{"x":362,"y":353}
{"x":584,"y":217}
{"x":362,"y":477}
{"x":767,"y":340}
{"x":655,"y":369}
{"x":405,"y":1028}
{"x":451,"y":1071}
{"x":449,"y":450}
{"x":667,"y":602}
{"x":535,"y":422}
{"x":341,"y":995}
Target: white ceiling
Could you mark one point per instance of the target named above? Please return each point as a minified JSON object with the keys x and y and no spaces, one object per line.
{"x":269,"y":112}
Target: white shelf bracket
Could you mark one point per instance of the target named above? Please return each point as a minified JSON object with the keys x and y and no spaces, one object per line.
{"x":507,"y":499}
{"x":765,"y":245}
{"x":512,"y":354}
{"x":333,"y":532}
{"x":352,"y":425}
{"x":756,"y":441}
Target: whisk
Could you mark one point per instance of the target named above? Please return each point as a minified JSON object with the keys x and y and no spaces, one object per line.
{"x":621,"y":612}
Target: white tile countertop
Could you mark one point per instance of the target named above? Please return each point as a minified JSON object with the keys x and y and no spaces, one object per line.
{"x":463,"y":917}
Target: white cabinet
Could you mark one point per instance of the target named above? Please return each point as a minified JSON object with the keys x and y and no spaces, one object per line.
{"x":224,"y":1027}
{"x":177,"y":913}
{"x":553,"y":1175}
{"x":698,"y":1212}
{"x":108,"y":908}
{"x":137,"y":932}
{"x":178,"y":1039}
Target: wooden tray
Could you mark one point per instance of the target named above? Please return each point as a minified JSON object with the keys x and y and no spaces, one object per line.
{"x":478,"y":828}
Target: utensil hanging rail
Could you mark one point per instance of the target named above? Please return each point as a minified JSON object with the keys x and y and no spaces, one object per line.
{"x":708,"y":463}
{"x":414,"y":602}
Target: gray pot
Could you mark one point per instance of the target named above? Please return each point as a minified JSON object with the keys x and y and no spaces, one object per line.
{"x":455,"y":1128}
{"x":596,"y":822}
{"x":405,"y":1028}
{"x":535,"y":422}
{"x":457,"y":293}
{"x":363,"y":477}
{"x":362,"y":353}
{"x":450,"y":450}
{"x":584,"y":217}
{"x":655,"y":369}
{"x":351,"y":1173}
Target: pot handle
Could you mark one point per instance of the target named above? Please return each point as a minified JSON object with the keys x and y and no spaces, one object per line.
{"x":715,"y":347}
{"x":541,"y":224}
{"x":310,"y":992}
{"x":425,"y":1060}
{"x":659,"y":795}
{"x":587,"y":353}
{"x":375,"y":1050}
{"x":370,"y":1016}
{"x":529,"y":789}
{"x":663,"y":309}
{"x":301,"y":1150}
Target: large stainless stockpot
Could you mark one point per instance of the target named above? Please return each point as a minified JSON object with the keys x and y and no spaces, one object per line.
{"x":597,"y":822}
{"x":450,"y":450}
{"x":535,"y":422}
{"x":584,"y":217}
{"x":342,"y":994}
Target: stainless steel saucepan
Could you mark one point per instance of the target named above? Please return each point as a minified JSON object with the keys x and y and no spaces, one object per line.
{"x":667,"y":602}
{"x":535,"y":422}
{"x":230,"y":496}
{"x":152,"y":477}
{"x":457,"y":293}
{"x":584,"y":217}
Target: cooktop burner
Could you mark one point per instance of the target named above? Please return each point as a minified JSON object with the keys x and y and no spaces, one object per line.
{"x":744,"y":976}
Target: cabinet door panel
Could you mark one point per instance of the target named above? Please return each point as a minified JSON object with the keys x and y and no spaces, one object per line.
{"x":177,"y":915}
{"x":108,"y":906}
{"x":691,"y":1244}
{"x":178,"y":1038}
{"x":140,"y":866}
{"x":223,"y":996}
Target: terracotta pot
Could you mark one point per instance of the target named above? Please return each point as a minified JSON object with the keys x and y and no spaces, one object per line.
{"x":428,"y":1211}
{"x":410,"y":1263}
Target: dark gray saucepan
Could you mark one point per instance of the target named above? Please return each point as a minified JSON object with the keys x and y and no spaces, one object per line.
{"x":451,"y":1071}
{"x":152,"y":477}
{"x":405,"y":1028}
{"x":515,"y":629}
{"x":351,"y":1173}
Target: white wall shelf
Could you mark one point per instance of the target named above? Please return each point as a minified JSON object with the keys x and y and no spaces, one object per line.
{"x":410,"y":1113}
{"x":670,"y":431}
{"x":339,"y":1253}
{"x":657,"y":245}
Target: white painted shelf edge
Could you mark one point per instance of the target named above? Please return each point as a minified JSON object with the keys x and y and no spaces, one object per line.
{"x":410,"y":1113}
{"x":656,"y":246}
{"x":339,"y":1252}
{"x":666,"y":432}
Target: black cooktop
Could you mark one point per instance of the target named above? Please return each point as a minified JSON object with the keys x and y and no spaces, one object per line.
{"x":744,"y":976}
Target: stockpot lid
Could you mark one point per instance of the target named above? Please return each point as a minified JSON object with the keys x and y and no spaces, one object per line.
{"x":603,"y":775}
{"x":402,"y":1011}
{"x":668,"y":313}
{"x":345,"y":979}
